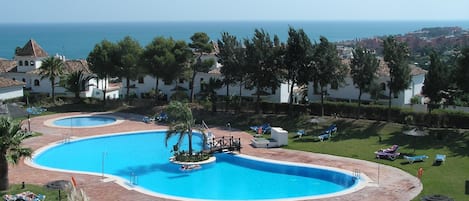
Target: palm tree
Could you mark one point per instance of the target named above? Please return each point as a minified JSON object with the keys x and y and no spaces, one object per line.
{"x":11,"y":137}
{"x":75,"y":82}
{"x":182,"y":123}
{"x":52,"y":68}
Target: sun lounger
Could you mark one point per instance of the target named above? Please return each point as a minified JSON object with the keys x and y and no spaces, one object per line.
{"x":162,"y":117}
{"x":440,"y":158}
{"x":327,"y":134}
{"x":324,"y":136}
{"x":300,"y":133}
{"x":389,"y":153}
{"x":412,"y":159}
{"x":262,"y":129}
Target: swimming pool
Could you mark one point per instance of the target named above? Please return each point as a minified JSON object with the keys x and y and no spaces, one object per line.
{"x":83,"y":121}
{"x":141,"y":158}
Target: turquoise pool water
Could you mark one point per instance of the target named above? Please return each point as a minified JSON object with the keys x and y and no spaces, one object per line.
{"x":143,"y":158}
{"x":84,"y":121}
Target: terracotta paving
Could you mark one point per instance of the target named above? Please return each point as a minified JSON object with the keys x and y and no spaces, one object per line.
{"x":393,"y":184}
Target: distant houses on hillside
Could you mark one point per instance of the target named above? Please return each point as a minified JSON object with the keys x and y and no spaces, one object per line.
{"x":22,"y":73}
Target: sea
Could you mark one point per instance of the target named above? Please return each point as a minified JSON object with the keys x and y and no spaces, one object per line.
{"x":76,"y":40}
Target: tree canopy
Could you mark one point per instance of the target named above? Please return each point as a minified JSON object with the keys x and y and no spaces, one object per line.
{"x":436,"y":80}
{"x":101,"y":62}
{"x":328,"y":68}
{"x":200,"y":42}
{"x":128,"y":59}
{"x":363,"y":67}
{"x":298,"y":59}
{"x":396,"y":56}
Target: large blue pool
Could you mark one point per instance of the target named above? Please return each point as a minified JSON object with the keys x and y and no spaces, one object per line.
{"x":142,"y":158}
{"x":84,"y":121}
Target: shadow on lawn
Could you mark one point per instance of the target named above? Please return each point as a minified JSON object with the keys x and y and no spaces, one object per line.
{"x":352,"y":129}
{"x":451,"y":139}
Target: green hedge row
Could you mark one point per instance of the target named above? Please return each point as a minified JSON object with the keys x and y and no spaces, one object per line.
{"x":439,"y":118}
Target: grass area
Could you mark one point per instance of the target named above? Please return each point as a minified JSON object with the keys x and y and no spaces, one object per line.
{"x":360,"y":139}
{"x":49,"y":193}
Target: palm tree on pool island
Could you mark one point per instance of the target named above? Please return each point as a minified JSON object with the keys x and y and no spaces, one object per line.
{"x":181,"y":124}
{"x":11,"y":137}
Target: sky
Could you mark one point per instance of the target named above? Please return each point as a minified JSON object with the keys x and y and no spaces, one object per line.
{"x":59,"y":11}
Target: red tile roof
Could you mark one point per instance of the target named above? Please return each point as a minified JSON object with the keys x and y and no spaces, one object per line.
{"x":7,"y":65}
{"x":32,"y":49}
{"x":5,"y":82}
{"x":71,"y":66}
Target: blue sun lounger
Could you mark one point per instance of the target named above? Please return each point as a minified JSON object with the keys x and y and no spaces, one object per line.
{"x":412,"y":159}
{"x":440,"y":158}
{"x":328,"y":132}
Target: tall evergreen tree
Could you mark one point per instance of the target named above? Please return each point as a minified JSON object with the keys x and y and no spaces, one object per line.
{"x":232,"y":58}
{"x":263,"y":72}
{"x":396,"y":56}
{"x":201,"y":44}
{"x":462,"y":70}
{"x":52,"y":68}
{"x":158,"y":57}
{"x":101,"y":61}
{"x":436,"y":80}
{"x":128,"y":59}
{"x":328,"y":68}
{"x":363,"y":67}
{"x":298,"y":59}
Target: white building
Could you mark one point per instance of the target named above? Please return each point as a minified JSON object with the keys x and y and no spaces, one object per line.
{"x":10,"y":89}
{"x":146,"y":83}
{"x":25,"y":68}
{"x":349,"y":92}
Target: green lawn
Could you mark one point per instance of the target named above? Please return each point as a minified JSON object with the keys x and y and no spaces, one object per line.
{"x":360,"y":139}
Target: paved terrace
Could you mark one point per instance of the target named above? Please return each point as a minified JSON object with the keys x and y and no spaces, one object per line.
{"x":393,"y":185}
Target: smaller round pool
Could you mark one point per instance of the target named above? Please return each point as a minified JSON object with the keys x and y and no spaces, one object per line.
{"x":84,"y":121}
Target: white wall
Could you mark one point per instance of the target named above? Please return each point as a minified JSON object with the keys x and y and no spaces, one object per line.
{"x":25,"y":68}
{"x":348,"y":91}
{"x":11,"y":92}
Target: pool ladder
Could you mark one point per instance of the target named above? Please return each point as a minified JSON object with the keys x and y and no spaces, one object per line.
{"x":133,"y":179}
{"x":356,"y":173}
{"x":66,"y":138}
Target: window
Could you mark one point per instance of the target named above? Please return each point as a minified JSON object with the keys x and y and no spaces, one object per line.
{"x":202,"y":84}
{"x":14,"y":79}
{"x":140,"y":80}
{"x":334,"y":85}
{"x":181,"y":80}
{"x":31,"y":63}
{"x":20,"y":63}
{"x":36,"y":82}
{"x":24,"y":80}
{"x":25,"y":63}
{"x":383,"y":86}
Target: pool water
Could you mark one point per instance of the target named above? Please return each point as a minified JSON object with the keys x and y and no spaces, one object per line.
{"x":84,"y":121}
{"x":143,"y":158}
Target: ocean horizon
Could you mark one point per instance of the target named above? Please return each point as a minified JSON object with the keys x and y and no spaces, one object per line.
{"x":76,"y":40}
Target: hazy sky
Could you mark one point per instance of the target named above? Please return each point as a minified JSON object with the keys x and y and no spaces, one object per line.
{"x":14,"y":11}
